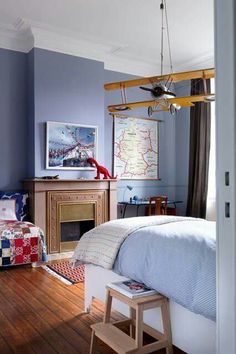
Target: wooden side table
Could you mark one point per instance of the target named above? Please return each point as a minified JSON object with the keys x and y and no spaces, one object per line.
{"x":122,"y":343}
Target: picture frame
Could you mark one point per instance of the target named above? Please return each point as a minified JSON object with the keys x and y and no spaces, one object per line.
{"x":69,"y":145}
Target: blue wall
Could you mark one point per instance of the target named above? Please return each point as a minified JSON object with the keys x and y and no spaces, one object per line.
{"x":30,"y":116}
{"x":13,"y":119}
{"x":48,"y":86}
{"x":66,"y":89}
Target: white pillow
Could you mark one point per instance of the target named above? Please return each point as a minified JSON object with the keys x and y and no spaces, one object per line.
{"x":8,"y":209}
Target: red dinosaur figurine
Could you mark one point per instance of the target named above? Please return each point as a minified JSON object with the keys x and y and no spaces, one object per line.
{"x":100,"y":169}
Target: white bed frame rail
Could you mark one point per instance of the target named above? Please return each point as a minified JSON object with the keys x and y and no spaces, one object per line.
{"x":192,"y":333}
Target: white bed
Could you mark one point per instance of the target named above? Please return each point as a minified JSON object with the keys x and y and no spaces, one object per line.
{"x":192,"y":333}
{"x":174,"y":255}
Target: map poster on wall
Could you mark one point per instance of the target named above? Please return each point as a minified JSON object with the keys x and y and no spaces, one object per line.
{"x":136,"y":148}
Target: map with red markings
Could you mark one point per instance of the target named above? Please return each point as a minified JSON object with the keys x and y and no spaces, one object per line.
{"x":136,"y":149}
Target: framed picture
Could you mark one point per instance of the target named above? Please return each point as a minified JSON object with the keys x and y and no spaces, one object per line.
{"x":68,"y":146}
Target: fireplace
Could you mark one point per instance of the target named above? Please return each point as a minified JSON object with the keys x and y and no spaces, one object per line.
{"x":66,"y":209}
{"x":84,"y":209}
{"x":74,"y":219}
{"x":73,"y":230}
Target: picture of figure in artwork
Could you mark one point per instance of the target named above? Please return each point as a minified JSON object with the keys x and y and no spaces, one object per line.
{"x":70,"y":145}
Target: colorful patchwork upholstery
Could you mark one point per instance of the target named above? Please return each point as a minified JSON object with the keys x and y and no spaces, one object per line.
{"x":21,"y":243}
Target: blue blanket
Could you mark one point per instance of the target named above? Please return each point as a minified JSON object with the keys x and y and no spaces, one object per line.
{"x":176,"y":259}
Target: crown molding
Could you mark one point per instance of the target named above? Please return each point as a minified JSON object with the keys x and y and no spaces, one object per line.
{"x":23,"y":35}
{"x":91,"y":48}
{"x":130,"y":66}
{"x":206,"y":60}
{"x":20,"y":40}
{"x":64,"y":43}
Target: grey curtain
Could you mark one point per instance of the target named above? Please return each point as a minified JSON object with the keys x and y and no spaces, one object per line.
{"x":199,"y":150}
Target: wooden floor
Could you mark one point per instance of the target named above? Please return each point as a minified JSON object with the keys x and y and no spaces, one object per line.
{"x":40,"y":314}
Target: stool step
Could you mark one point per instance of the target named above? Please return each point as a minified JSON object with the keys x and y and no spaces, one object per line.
{"x":114,"y":337}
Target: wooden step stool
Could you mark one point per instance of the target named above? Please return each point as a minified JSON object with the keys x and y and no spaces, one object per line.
{"x":122,"y":343}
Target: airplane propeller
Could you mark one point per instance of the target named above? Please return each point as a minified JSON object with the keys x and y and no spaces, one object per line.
{"x":159,"y":91}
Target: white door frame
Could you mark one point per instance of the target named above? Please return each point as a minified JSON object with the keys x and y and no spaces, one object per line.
{"x":225,"y":55}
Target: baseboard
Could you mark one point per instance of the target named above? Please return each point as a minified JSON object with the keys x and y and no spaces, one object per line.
{"x":58,"y":256}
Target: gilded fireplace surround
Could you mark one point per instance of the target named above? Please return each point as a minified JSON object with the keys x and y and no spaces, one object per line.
{"x":78,"y":209}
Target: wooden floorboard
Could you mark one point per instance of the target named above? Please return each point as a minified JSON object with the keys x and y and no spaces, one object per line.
{"x":40,"y":314}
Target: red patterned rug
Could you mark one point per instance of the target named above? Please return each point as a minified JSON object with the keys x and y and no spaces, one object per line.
{"x":66,"y":272}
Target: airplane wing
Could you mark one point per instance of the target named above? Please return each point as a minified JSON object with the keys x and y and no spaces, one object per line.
{"x":175,"y":77}
{"x":186,"y":101}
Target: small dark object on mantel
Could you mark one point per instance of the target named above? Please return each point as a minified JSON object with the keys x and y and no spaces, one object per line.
{"x":49,"y":177}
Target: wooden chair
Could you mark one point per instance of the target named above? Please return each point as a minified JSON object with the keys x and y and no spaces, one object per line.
{"x":157,"y":205}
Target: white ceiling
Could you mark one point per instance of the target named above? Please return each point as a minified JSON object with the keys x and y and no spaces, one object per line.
{"x":125,"y":34}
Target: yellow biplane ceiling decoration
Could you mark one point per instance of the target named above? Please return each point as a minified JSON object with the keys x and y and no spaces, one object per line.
{"x":163,"y":98}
